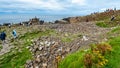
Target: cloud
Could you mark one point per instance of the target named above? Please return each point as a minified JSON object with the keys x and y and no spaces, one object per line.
{"x":42,"y":4}
{"x":78,"y":2}
{"x":32,"y":4}
{"x":56,"y":6}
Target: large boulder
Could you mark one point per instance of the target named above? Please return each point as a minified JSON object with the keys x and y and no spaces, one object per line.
{"x":71,"y":19}
{"x":61,"y":22}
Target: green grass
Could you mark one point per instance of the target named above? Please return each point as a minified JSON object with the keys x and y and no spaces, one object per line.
{"x":71,"y":37}
{"x":107,"y":23}
{"x":73,"y":60}
{"x":1,"y":47}
{"x":116,"y":29}
{"x":18,"y":58}
{"x":113,"y":58}
{"x":15,"y":59}
{"x":66,"y":39}
{"x":101,"y":24}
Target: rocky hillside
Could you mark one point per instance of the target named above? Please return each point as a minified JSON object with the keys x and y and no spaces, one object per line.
{"x":106,"y":15}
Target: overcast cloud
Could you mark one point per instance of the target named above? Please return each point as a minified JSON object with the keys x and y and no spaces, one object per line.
{"x":56,"y":6}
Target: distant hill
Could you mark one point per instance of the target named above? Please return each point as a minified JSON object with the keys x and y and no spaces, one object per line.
{"x":102,"y":16}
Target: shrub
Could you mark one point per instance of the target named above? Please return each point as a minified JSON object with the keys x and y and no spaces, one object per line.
{"x":96,"y":59}
{"x":88,"y":60}
{"x":104,"y":48}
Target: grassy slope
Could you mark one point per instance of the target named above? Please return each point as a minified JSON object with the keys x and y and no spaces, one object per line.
{"x":19,"y":55}
{"x":114,"y":60}
{"x":75,"y":60}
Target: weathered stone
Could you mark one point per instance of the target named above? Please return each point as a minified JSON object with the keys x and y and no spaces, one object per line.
{"x":71,"y":19}
{"x":61,"y":22}
{"x":36,"y":46}
{"x":41,"y":43}
{"x":38,"y":59}
{"x":68,"y":49}
{"x":40,"y":48}
{"x":44,"y":65}
{"x":28,"y":61}
{"x":84,"y":38}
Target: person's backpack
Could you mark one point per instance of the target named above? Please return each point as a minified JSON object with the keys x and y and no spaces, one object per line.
{"x":13,"y":32}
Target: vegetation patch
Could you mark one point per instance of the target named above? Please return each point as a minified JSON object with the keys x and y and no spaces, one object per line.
{"x":116,"y":29}
{"x":66,"y":39}
{"x":93,"y":58}
{"x":113,"y":58}
{"x":20,"y":54}
{"x":102,"y":24}
{"x":1,"y":47}
{"x":73,"y":60}
{"x":15,"y":59}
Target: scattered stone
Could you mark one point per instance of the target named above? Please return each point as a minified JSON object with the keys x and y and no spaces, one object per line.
{"x":44,"y":65}
{"x":45,"y":50}
{"x":84,"y":38}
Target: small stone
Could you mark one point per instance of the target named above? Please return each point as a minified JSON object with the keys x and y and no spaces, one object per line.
{"x":36,"y":66}
{"x":48,"y":44}
{"x":36,"y":46}
{"x":84,"y":38}
{"x":60,"y":49}
{"x":53,"y":42}
{"x":68,"y":50}
{"x":37,"y":59}
{"x":40,"y":48}
{"x":78,"y":43}
{"x":41,"y":43}
{"x":44,"y":65}
{"x":28,"y":61}
{"x":45,"y":54}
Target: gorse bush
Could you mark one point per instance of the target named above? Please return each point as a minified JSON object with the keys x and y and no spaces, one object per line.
{"x":96,"y":58}
{"x":102,"y":48}
{"x":88,"y":62}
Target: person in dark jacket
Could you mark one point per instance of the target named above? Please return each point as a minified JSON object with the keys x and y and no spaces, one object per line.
{"x":112,"y":18}
{"x":3,"y":36}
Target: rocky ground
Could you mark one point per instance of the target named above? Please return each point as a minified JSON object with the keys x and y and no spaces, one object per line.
{"x":49,"y":50}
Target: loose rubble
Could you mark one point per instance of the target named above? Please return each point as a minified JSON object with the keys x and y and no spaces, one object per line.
{"x":47,"y":53}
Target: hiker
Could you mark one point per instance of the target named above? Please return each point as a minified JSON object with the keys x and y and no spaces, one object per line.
{"x":3,"y":36}
{"x":14,"y":33}
{"x":87,"y":20}
{"x":112,"y":18}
